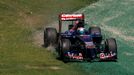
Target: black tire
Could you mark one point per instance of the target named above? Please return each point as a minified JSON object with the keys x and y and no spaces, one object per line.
{"x":93,"y":30}
{"x":64,"y":47}
{"x":111,"y":45}
{"x":66,"y":44}
{"x":50,"y":37}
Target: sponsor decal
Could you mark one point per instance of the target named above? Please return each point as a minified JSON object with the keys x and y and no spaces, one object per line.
{"x":107,"y":55}
{"x":102,"y":56}
{"x":71,"y":16}
{"x":78,"y":56}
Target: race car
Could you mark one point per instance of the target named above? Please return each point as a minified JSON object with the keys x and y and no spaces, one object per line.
{"x":75,"y":42}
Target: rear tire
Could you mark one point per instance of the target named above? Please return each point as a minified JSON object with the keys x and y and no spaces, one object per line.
{"x":50,"y":37}
{"x":110,"y":45}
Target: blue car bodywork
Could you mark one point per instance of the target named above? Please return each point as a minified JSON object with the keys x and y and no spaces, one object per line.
{"x":82,"y":45}
{"x":79,"y":43}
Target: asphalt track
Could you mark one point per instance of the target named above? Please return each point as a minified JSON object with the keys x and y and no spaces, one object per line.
{"x":116,"y":19}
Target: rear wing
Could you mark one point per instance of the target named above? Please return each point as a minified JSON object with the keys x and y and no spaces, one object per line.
{"x":69,"y":17}
{"x":65,"y":17}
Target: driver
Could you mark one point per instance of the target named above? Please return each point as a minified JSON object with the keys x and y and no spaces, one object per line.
{"x":81,"y":31}
{"x":78,"y":28}
{"x":78,"y":24}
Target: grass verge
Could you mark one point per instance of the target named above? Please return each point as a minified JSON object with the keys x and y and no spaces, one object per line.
{"x":18,"y":20}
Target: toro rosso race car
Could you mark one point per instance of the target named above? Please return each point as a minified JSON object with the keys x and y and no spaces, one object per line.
{"x":74,"y":41}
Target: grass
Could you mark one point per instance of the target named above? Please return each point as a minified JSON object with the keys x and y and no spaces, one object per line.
{"x":115,"y":17}
{"x":18,"y":20}
{"x":37,"y":13}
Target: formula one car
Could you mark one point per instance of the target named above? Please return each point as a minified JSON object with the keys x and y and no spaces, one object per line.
{"x":76,"y":42}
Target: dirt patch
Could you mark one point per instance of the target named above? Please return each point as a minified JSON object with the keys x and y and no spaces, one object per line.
{"x":38,"y":41}
{"x":43,"y":67}
{"x":28,"y":19}
{"x":38,"y":38}
{"x":54,"y":68}
{"x":38,"y":35}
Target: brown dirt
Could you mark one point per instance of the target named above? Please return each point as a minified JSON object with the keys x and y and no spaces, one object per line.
{"x":38,"y":38}
{"x":38,"y":35}
{"x":42,"y":67}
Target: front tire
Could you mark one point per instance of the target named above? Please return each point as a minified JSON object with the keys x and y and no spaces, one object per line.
{"x":111,"y":46}
{"x":65,"y":45}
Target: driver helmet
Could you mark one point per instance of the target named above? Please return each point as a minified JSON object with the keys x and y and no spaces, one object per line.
{"x":79,"y":23}
{"x":81,"y":31}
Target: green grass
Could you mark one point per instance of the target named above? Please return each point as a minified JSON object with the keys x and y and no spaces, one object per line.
{"x":116,"y":19}
{"x":18,"y":20}
{"x":37,"y":13}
